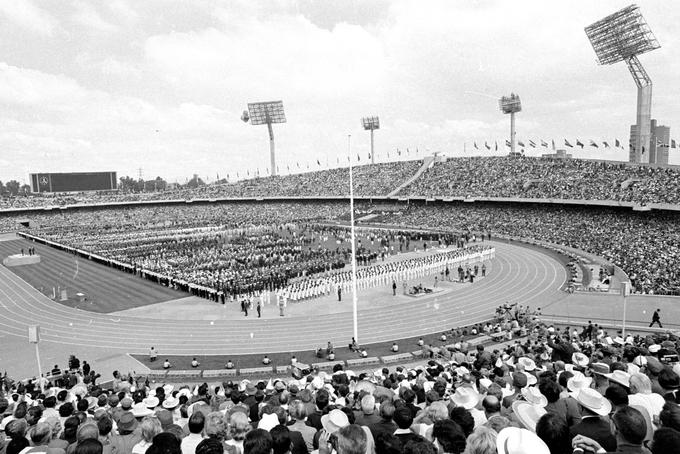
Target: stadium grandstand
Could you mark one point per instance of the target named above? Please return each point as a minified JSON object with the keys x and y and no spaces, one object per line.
{"x":444,"y":302}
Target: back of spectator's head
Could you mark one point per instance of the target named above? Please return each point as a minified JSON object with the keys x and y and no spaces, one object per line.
{"x":196,"y":422}
{"x":407,"y":394}
{"x":419,"y":445}
{"x":437,"y":411}
{"x":258,"y":441}
{"x":66,"y":409}
{"x":87,"y":431}
{"x":40,"y":434}
{"x":215,"y":426}
{"x":616,"y":394}
{"x":497,"y":423}
{"x":82,"y":405}
{"x":368,"y":404}
{"x":89,"y":446}
{"x":322,"y":399}
{"x":280,"y":439}
{"x":481,"y":441}
{"x":238,"y":425}
{"x":105,"y":425}
{"x":16,"y":428}
{"x":554,"y":431}
{"x":670,"y":415}
{"x":50,"y":402}
{"x":464,"y":419}
{"x":297,"y":410}
{"x":403,"y":417}
{"x":33,"y":415}
{"x":210,"y":446}
{"x":564,"y":378}
{"x":491,"y":404}
{"x":71,"y":427}
{"x":351,"y":439}
{"x":665,"y":441}
{"x":630,"y":424}
{"x":449,"y":436}
{"x":387,"y":443}
{"x":387,"y":410}
{"x":550,"y":390}
{"x":167,"y":443}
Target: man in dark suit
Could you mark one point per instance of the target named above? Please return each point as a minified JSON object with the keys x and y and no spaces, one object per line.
{"x":631,"y":430}
{"x":386,"y":425}
{"x":403,"y":418}
{"x":594,"y":423}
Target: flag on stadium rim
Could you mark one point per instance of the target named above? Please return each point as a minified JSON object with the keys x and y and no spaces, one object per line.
{"x":532,"y":143}
{"x":606,"y":145}
{"x":593,"y":144}
{"x":553,"y":143}
{"x":487,"y":145}
{"x":566,"y":142}
{"x":578,"y":143}
{"x":318,"y":163}
{"x":475,"y":145}
{"x":398,"y":151}
{"x":507,"y":143}
{"x":672,"y":143}
{"x":617,"y":143}
{"x":544,"y":143}
{"x":358,"y":157}
{"x":496,"y":145}
{"x":520,"y":143}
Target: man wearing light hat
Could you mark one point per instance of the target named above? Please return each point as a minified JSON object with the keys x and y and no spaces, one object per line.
{"x":594,"y":424}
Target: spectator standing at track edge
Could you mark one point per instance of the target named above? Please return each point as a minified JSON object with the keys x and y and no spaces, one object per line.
{"x":656,"y":318}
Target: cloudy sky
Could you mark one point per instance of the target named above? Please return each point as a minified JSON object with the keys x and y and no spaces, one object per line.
{"x":160,"y":85}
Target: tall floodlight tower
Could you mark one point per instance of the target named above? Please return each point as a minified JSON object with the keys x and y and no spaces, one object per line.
{"x":623,"y":36}
{"x":371,"y":124}
{"x":511,"y":105}
{"x":266,"y":113}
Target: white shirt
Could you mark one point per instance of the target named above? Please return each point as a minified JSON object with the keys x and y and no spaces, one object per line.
{"x":190,"y":442}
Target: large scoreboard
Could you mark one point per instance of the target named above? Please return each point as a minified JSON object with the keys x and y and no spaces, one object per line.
{"x":73,"y":182}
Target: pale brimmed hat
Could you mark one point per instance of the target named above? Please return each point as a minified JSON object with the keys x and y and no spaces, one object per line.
{"x":599,"y":368}
{"x":151,"y":402}
{"x":513,"y":440}
{"x":620,"y":377}
{"x":528,"y":363}
{"x":465,"y":397}
{"x":580,"y":359}
{"x":534,"y":397}
{"x":170,"y":403}
{"x":578,"y":381}
{"x":593,"y":401}
{"x":528,"y":414}
{"x":334,"y":421}
{"x":268,"y":422}
{"x":140,"y":410}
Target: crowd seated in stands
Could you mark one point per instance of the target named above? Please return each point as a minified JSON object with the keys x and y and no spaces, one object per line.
{"x":525,"y":177}
{"x":550,"y":392}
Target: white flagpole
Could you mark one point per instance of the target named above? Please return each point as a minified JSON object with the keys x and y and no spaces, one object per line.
{"x":354,"y":252}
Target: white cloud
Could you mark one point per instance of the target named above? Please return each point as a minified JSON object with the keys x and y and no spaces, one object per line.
{"x":88,"y":16}
{"x":26,"y":15}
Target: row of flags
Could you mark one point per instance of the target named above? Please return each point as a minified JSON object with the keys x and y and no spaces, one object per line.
{"x":578,"y":143}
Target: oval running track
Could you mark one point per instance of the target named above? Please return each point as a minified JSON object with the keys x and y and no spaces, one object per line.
{"x":517,"y":274}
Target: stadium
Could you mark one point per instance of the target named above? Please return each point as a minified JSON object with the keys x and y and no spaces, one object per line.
{"x":412,"y":301}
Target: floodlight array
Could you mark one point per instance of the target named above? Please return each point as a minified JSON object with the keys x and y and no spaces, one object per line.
{"x":620,"y":36}
{"x":370,"y":123}
{"x":262,"y":113}
{"x":510,"y":104}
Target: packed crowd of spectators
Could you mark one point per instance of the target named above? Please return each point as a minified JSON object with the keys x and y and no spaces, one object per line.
{"x":543,"y":178}
{"x":552,"y":391}
{"x":645,"y":245}
{"x":546,"y":178}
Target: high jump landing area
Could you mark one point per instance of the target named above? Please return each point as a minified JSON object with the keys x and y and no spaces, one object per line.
{"x":180,"y":325}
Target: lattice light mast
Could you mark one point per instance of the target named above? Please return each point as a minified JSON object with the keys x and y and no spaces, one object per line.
{"x":266,"y":113}
{"x":371,"y":124}
{"x":623,"y":36}
{"x":511,"y":105}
